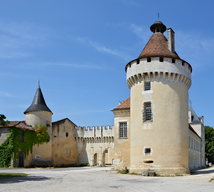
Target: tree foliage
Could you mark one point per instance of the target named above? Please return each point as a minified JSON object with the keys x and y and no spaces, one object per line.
{"x":12,"y":144}
{"x":3,"y":123}
{"x":209,"y":143}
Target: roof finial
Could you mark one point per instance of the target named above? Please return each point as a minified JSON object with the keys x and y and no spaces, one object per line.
{"x":39,"y":83}
{"x":158,"y":16}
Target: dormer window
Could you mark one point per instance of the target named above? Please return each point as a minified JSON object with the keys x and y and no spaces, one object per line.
{"x":161,"y":59}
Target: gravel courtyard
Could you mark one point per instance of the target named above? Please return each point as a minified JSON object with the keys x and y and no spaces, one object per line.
{"x":103,"y":179}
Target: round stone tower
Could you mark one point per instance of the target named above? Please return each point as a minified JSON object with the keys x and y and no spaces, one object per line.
{"x":159,"y":81}
{"x":39,"y":113}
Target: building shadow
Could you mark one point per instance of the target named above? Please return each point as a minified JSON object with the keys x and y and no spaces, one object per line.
{"x":202,"y":171}
{"x":23,"y":179}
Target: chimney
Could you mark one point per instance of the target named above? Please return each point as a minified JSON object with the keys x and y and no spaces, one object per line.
{"x":171,"y":40}
{"x":202,"y":119}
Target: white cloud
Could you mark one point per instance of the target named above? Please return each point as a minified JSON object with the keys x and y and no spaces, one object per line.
{"x":4,"y":94}
{"x":17,"y":38}
{"x":72,"y":65}
{"x":103,"y":49}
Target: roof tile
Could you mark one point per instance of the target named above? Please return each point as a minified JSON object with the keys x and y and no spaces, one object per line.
{"x":20,"y":125}
{"x":157,"y":46}
{"x":124,"y":105}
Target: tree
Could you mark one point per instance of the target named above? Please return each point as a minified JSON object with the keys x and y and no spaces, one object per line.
{"x":209,"y":143}
{"x":3,"y":123}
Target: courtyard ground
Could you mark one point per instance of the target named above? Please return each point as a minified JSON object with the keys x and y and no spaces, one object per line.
{"x":103,"y":179}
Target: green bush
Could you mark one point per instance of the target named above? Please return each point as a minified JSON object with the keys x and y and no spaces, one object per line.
{"x":12,"y":144}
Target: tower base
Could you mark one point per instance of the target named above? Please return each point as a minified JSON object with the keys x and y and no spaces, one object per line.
{"x":164,"y":171}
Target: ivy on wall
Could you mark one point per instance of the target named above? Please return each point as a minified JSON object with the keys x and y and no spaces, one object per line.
{"x":12,"y":144}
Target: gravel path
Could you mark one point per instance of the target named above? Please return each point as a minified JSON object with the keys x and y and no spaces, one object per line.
{"x":102,"y":179}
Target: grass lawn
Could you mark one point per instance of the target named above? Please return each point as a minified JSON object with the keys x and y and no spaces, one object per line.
{"x":11,"y":175}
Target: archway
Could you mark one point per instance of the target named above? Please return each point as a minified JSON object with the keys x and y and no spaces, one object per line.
{"x":95,"y":159}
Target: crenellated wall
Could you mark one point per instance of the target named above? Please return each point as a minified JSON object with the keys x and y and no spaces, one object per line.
{"x":95,"y":145}
{"x":94,"y":131}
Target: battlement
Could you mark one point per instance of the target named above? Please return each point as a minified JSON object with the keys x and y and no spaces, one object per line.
{"x":94,"y":131}
{"x":168,"y":70}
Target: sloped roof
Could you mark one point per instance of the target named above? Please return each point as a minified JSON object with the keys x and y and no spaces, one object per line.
{"x":157,"y":46}
{"x":62,"y":120}
{"x":20,"y":125}
{"x":124,"y":105}
{"x":38,"y":103}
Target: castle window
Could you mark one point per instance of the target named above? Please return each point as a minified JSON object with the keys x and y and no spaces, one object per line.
{"x":22,"y":136}
{"x":149,"y":59}
{"x":147,"y":151}
{"x":173,"y":60}
{"x":147,"y":111}
{"x":147,"y":86}
{"x":161,"y":59}
{"x":123,"y":130}
{"x":106,"y":151}
{"x":66,"y":134}
{"x":183,"y":63}
{"x":138,"y":61}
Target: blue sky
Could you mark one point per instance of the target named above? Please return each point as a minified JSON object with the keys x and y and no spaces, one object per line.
{"x":79,"y":50}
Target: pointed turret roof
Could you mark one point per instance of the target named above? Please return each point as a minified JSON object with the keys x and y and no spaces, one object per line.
{"x":38,"y":103}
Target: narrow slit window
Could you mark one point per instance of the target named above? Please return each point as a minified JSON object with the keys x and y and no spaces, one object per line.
{"x":22,"y":136}
{"x":161,"y":59}
{"x":138,"y":61}
{"x":123,"y":130}
{"x":149,"y":59}
{"x":67,"y":134}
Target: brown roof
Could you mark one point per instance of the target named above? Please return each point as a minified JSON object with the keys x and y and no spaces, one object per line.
{"x":124,"y":105}
{"x":157,"y":46}
{"x":20,"y":125}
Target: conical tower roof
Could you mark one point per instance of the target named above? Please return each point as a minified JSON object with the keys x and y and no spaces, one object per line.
{"x":157,"y":46}
{"x":38,"y":103}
